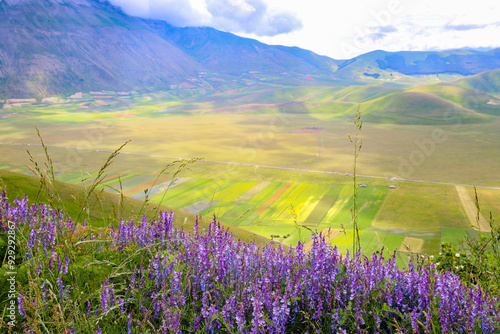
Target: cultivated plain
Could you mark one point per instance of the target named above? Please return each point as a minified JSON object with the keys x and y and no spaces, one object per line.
{"x":277,"y":161}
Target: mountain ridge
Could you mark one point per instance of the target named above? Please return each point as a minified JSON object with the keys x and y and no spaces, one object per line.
{"x":60,"y":47}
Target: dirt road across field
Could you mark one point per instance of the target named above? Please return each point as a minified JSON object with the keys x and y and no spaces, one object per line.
{"x":469,"y":206}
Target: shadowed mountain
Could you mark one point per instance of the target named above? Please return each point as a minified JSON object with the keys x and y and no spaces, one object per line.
{"x":463,"y":62}
{"x":62,"y":47}
{"x":230,"y":54}
{"x":54,"y":47}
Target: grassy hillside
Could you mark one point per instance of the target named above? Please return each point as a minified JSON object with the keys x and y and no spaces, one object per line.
{"x":359,"y":94}
{"x":413,"y":107}
{"x":426,"y":104}
{"x":471,"y":99}
{"x":488,"y":82}
{"x":108,"y":208}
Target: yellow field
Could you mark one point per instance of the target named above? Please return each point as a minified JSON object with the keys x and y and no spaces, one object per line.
{"x":411,"y":245}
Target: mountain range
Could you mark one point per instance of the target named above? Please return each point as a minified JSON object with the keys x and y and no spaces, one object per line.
{"x":60,"y":47}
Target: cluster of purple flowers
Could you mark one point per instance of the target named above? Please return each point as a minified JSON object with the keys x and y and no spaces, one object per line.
{"x":206,"y":281}
{"x":211,"y":282}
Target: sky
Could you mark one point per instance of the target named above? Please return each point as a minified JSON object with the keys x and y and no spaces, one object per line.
{"x":338,"y":29}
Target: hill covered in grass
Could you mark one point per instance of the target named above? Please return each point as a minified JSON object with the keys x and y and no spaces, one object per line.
{"x":415,"y":107}
{"x":441,"y":103}
{"x":488,"y":82}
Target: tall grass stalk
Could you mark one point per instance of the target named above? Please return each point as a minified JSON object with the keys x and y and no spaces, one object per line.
{"x":98,"y":180}
{"x":47,"y":176}
{"x":357,"y":144}
{"x":298,"y":226}
{"x":182,"y":165}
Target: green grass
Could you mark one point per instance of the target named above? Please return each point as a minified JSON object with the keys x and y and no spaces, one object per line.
{"x":453,"y":235}
{"x":414,"y":206}
{"x":202,"y":193}
{"x":371,"y":199}
{"x":268,"y":215}
{"x":358,"y":94}
{"x":234,"y":191}
{"x":263,"y":196}
{"x":489,"y":202}
{"x":465,"y":155}
{"x":320,"y":210}
{"x":488,"y":82}
{"x":284,"y":203}
{"x":392,"y":242}
{"x":344,"y":241}
{"x":274,"y":230}
{"x":296,"y":235}
{"x":178,"y":193}
{"x":467,"y":98}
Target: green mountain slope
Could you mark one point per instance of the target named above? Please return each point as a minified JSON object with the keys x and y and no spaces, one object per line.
{"x":471,"y":99}
{"x":409,"y":107}
{"x":488,"y":82}
{"x":360,"y":94}
{"x":427,"y":104}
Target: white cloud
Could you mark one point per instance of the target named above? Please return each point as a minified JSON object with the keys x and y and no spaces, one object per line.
{"x":432,"y":25}
{"x":251,"y":16}
{"x":238,"y":16}
{"x":344,"y":30}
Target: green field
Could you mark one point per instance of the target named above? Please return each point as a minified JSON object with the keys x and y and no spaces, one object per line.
{"x":303,"y":137}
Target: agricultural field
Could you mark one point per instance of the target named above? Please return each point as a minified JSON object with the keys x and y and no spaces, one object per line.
{"x":272,"y":168}
{"x":276,"y":207}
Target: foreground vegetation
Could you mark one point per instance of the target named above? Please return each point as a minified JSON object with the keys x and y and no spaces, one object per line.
{"x":149,"y":277}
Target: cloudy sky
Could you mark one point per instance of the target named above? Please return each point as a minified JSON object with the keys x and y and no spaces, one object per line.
{"x":339,"y":29}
